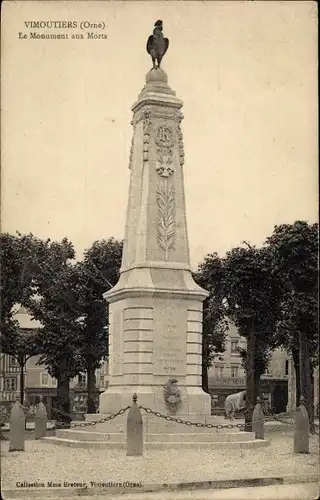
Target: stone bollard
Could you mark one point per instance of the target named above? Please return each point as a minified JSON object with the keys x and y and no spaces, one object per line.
{"x":134,"y":430}
{"x":258,"y":420}
{"x":301,"y":430}
{"x":17,"y":430}
{"x":40,"y":419}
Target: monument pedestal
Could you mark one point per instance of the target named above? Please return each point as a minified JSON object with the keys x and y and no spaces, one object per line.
{"x":156,"y":336}
{"x":155,"y":309}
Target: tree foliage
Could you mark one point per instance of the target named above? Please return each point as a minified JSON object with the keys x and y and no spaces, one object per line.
{"x":294,"y":251}
{"x":241,"y":289}
{"x":54,"y":293}
{"x":210,"y":277}
{"x":97,"y":273}
{"x":252,"y":305}
{"x":67,"y":300}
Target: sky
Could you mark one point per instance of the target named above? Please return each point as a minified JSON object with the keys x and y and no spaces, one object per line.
{"x":247,"y":74}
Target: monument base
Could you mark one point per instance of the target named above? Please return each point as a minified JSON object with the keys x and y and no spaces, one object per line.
{"x":194,"y":401}
{"x":158,"y":433}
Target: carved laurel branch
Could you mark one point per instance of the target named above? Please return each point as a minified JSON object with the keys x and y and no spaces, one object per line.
{"x":166,"y":225}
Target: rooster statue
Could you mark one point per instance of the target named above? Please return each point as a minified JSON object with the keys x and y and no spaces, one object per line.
{"x":157,"y":45}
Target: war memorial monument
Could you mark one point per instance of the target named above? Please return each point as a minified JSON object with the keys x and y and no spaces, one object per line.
{"x":155,"y":309}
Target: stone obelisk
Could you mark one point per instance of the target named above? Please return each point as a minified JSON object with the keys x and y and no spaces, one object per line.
{"x":155,"y":334}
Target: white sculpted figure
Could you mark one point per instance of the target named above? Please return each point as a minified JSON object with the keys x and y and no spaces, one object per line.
{"x":172,"y":395}
{"x":234,"y":402}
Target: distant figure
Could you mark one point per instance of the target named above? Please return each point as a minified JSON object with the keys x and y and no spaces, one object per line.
{"x":157,"y":45}
{"x":233,"y":403}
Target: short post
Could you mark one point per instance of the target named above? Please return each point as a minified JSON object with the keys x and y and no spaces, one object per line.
{"x":258,"y":420}
{"x":301,"y":430}
{"x":17,"y":424}
{"x":134,"y":430}
{"x":25,"y":407}
{"x":40,"y":419}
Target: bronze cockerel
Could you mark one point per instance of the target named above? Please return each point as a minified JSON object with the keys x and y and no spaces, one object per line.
{"x":157,"y":45}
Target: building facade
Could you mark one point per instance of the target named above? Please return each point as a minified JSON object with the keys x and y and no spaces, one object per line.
{"x":38,"y":382}
{"x":227,"y":376}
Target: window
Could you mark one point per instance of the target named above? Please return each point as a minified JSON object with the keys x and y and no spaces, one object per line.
{"x":13,"y":361}
{"x":234,"y":371}
{"x":10,"y":384}
{"x":44,"y":379}
{"x":82,"y":380}
{"x":234,"y":346}
{"x":219,"y":371}
{"x":286,"y":369}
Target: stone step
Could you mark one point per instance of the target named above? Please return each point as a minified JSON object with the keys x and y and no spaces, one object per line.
{"x":83,"y":435}
{"x":73,"y":443}
{"x":212,"y":437}
{"x":156,"y":437}
{"x":156,"y":445}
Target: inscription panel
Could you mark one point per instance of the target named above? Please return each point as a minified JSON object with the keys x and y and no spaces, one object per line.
{"x":117,"y":343}
{"x":169,"y":342}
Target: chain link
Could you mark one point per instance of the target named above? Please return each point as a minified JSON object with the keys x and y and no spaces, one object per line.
{"x":92,"y":422}
{"x":268,"y":413}
{"x":189,"y":423}
{"x":101,"y":420}
{"x":276,"y":417}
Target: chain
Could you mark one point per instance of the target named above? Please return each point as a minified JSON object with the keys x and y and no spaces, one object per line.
{"x":266,"y":411}
{"x":216,"y":426}
{"x":87,"y":424}
{"x":288,"y":422}
{"x":276,"y":417}
{"x":189,"y":423}
{"x":102,"y":420}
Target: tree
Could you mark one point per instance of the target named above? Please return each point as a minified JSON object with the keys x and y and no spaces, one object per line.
{"x":210,"y":277}
{"x":21,"y":345}
{"x":20,"y":256}
{"x":55,"y":291}
{"x":16,"y":275}
{"x":261,"y":360}
{"x":294,"y":251}
{"x":98,"y":272}
{"x":252,"y":300}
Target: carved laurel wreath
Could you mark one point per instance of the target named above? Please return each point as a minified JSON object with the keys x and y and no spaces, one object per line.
{"x":164,"y":142}
{"x":172,"y":395}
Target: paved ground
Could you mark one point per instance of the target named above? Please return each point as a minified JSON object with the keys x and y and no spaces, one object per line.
{"x":42,"y":462}
{"x":286,"y":492}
